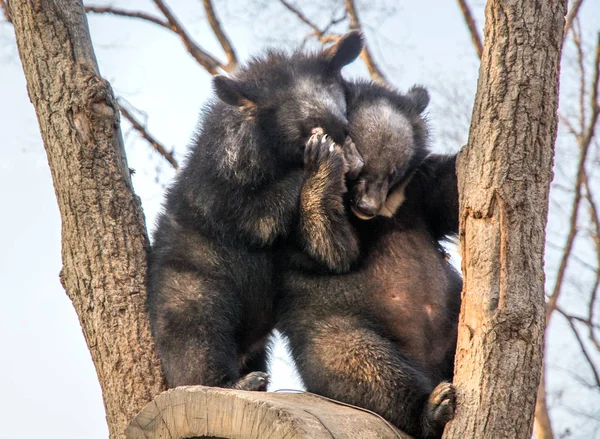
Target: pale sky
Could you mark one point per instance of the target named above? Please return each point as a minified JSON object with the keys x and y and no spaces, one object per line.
{"x":48,"y":381}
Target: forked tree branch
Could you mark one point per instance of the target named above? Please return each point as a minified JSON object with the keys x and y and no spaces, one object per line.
{"x":210,"y":63}
{"x":593,"y":367}
{"x":475,"y":37}
{"x":321,"y":35}
{"x":324,"y":37}
{"x":141,"y":128}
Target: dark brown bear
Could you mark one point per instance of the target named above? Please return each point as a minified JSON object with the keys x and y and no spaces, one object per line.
{"x":210,"y":293}
{"x":381,"y":336}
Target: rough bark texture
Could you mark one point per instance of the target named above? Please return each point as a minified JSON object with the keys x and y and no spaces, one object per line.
{"x":103,"y":233}
{"x":504,"y":176}
{"x":208,"y":412}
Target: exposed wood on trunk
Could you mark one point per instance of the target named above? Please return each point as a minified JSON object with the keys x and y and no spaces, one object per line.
{"x":209,"y":412}
{"x":104,"y":238}
{"x":504,"y":177}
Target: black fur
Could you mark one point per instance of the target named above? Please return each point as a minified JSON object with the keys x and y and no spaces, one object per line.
{"x":383,"y":335}
{"x":210,"y":295}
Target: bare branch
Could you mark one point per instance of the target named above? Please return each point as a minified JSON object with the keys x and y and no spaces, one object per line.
{"x":542,"y":422}
{"x":584,"y":144}
{"x":124,"y":13}
{"x":321,"y":36}
{"x":141,"y":128}
{"x":595,"y":217}
{"x":4,"y":7}
{"x":220,"y":34}
{"x":210,"y":63}
{"x":581,"y":345}
{"x":374,"y":70}
{"x":575,"y":5}
{"x":475,"y":37}
{"x":582,"y":72}
{"x":569,"y":126}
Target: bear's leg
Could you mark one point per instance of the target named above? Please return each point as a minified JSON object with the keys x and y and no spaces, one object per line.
{"x":194,"y":322}
{"x":342,"y":358}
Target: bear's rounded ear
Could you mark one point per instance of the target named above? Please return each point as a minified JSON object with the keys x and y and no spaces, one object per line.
{"x":231,"y":91}
{"x":419,"y":96}
{"x":345,"y":50}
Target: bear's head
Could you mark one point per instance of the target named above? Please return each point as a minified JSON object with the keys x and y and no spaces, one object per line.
{"x":286,"y":96}
{"x":390,"y":133}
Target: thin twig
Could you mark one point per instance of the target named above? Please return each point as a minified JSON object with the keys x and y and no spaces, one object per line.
{"x":141,"y":128}
{"x":365,"y":55}
{"x":584,"y":142}
{"x":475,"y":37}
{"x":569,"y":126}
{"x":209,"y":62}
{"x":124,"y":13}
{"x":573,"y":11}
{"x":215,"y":25}
{"x":302,"y":18}
{"x":582,"y":345}
{"x":4,"y":7}
{"x":595,"y":217}
{"x":582,"y":72}
{"x":321,"y":35}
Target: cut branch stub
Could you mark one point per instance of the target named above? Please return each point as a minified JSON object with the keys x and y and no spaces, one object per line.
{"x":208,"y":412}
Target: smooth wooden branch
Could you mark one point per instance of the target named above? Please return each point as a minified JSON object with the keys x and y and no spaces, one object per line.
{"x":208,"y":412}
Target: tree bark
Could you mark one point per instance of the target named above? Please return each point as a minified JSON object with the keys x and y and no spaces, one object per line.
{"x":504,"y":176}
{"x":104,"y":238}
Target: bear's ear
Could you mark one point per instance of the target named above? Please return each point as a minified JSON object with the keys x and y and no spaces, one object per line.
{"x":419,"y":97}
{"x":231,"y":92}
{"x":345,"y":50}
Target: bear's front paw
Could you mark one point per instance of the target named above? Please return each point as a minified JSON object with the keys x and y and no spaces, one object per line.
{"x":323,"y":156}
{"x":253,"y":381}
{"x":440,"y":408}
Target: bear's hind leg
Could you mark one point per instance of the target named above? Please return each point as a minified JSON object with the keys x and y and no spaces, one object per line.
{"x":343,"y":358}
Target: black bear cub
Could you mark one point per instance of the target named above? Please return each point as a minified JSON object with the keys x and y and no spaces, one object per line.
{"x":382,"y":335}
{"x":210,"y":292}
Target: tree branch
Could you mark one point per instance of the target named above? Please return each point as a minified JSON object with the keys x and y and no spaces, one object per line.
{"x":365,"y":55}
{"x":141,"y":128}
{"x":210,"y":63}
{"x":321,"y":36}
{"x":475,"y":37}
{"x":220,"y":34}
{"x":584,"y":144}
{"x":4,"y":7}
{"x":581,"y":345}
{"x":124,"y":13}
{"x":576,"y":4}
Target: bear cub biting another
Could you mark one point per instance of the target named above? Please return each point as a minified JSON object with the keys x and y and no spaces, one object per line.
{"x":380,"y":334}
{"x":210,"y":292}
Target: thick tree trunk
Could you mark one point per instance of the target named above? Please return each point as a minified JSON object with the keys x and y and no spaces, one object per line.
{"x":103,"y":233}
{"x":504,"y":177}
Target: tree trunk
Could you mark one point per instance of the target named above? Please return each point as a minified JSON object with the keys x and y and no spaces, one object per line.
{"x":103,"y":233}
{"x":504,"y":177}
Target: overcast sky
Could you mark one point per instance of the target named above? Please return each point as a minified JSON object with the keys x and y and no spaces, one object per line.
{"x":48,"y":381}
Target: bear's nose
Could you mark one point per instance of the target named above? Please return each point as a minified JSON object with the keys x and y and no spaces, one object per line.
{"x":367,"y":206}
